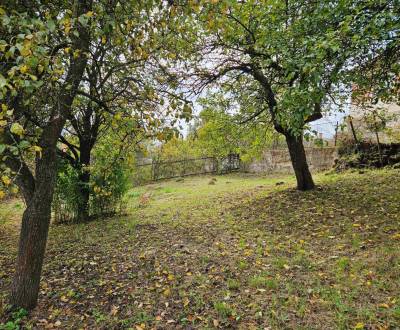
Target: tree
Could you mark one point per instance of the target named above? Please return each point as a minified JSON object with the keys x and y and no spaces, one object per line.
{"x":124,"y":88}
{"x":221,"y":132}
{"x":288,"y":49}
{"x":45,"y":50}
{"x":30,"y":47}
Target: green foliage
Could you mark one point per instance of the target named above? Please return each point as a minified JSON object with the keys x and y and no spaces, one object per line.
{"x":220,"y":132}
{"x":15,"y":322}
{"x":109,"y":179}
{"x":216,"y":133}
{"x":282,"y":57}
{"x":40,"y":46}
{"x":372,"y":27}
{"x":66,"y":198}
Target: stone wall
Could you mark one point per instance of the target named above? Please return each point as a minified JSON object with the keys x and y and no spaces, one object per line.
{"x":278,"y":161}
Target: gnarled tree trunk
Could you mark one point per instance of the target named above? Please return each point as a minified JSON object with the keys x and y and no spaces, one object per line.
{"x":299,"y":162}
{"x":33,"y":237}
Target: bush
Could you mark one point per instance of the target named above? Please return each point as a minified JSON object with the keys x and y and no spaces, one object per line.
{"x":66,"y":199}
{"x":108,"y":187}
{"x":366,"y":155}
{"x":109,"y":181}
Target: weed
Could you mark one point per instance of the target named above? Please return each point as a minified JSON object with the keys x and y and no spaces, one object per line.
{"x":263,"y":282}
{"x":98,"y":316}
{"x":223,"y":309}
{"x":232,"y":284}
{"x":15,"y":321}
{"x":343,"y":264}
{"x":242,"y":265}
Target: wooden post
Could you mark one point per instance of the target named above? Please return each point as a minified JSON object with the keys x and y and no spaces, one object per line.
{"x":153,"y":174}
{"x":379,"y":147}
{"x":353,"y":130}
{"x":377,"y":139}
{"x":336,"y":132}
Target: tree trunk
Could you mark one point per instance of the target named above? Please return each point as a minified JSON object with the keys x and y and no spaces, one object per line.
{"x":84,"y":179}
{"x":299,"y":162}
{"x":84,"y":195}
{"x":33,"y":237}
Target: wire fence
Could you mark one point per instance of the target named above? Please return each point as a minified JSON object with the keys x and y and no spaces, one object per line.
{"x":160,"y":170}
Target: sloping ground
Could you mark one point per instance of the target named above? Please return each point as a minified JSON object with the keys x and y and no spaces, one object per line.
{"x":240,"y":253}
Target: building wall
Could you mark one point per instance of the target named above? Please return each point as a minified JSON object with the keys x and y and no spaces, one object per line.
{"x":278,"y":161}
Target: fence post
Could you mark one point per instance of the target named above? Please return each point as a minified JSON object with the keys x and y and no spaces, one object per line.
{"x":153,"y":171}
{"x":353,"y":130}
{"x":336,"y":132}
{"x":215,"y":164}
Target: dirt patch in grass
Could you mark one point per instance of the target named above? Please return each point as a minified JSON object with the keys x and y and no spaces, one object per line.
{"x":243,"y":255}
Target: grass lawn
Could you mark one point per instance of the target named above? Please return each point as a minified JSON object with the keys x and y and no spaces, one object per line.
{"x":242,"y":253}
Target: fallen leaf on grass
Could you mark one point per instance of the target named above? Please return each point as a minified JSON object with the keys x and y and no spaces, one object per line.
{"x":383,"y":305}
{"x":114,"y":310}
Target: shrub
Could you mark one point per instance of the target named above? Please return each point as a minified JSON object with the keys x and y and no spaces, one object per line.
{"x":66,"y":199}
{"x":108,"y":187}
{"x":108,"y":184}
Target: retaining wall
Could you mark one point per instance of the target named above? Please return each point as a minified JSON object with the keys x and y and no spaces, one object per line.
{"x":278,"y":161}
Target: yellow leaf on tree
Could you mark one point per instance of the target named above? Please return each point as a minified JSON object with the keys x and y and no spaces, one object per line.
{"x":2,"y":194}
{"x":24,"y":69}
{"x":359,"y":325}
{"x":76,"y":53}
{"x":17,"y":129}
{"x":37,"y":149}
{"x":6,"y":180}
{"x":25,"y":51}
